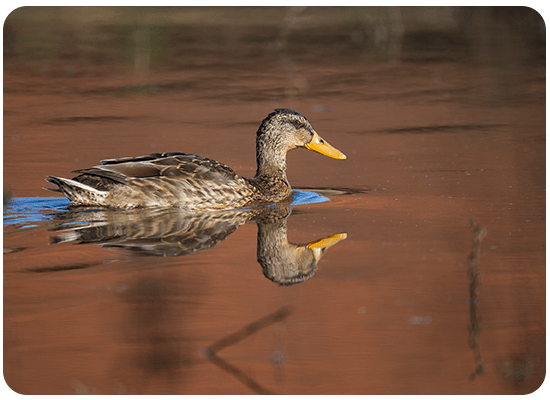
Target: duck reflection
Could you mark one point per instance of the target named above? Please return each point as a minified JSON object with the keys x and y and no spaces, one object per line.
{"x":283,"y":262}
{"x":174,"y":232}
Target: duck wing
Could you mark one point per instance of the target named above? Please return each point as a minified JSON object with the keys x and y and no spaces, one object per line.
{"x":174,"y":166}
{"x":159,"y":179}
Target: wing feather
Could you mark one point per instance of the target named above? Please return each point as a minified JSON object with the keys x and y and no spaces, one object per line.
{"x":177,"y":166}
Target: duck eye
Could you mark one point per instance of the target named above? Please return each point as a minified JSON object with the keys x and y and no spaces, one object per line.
{"x":297,"y":124}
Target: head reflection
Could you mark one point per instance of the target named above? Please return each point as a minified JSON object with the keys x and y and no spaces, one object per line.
{"x":283,"y":262}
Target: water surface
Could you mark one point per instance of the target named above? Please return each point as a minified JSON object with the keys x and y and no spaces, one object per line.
{"x":436,"y":284}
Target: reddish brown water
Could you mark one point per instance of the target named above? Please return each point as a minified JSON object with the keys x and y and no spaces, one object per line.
{"x":414,"y":301}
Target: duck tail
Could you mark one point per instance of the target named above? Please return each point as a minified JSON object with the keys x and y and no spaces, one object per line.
{"x":78,"y":193}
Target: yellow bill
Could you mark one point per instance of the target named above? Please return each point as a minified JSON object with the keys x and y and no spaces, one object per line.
{"x":320,"y":246}
{"x":320,"y":145}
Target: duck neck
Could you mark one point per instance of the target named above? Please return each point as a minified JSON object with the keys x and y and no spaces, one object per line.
{"x":271,"y":167}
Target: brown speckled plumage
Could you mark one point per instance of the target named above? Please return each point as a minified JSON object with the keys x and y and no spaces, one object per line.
{"x":194,"y":182}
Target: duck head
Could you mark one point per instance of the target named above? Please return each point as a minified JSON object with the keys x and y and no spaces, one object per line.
{"x":284,"y":130}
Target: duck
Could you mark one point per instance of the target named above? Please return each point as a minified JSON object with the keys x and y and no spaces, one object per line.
{"x":193,"y":182}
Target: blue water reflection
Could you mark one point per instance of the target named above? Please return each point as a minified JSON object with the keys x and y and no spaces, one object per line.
{"x":29,"y":211}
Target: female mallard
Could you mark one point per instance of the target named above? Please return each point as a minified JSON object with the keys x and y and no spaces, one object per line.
{"x":193,"y":182}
